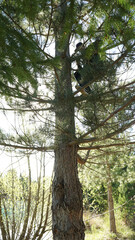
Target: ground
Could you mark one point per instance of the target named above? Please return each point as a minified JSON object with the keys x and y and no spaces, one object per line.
{"x":97,"y":227}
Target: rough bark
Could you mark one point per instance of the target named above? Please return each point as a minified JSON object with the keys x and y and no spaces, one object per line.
{"x":67,"y":197}
{"x":67,"y":204}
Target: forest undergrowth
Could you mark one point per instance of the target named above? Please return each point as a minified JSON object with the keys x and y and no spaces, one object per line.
{"x":97,"y":227}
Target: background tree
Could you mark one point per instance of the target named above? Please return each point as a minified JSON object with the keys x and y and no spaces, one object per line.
{"x":112,"y":177}
{"x":24,"y":205}
{"x":31,"y":30}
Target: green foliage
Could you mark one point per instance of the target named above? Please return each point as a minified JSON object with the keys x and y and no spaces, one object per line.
{"x":28,"y":32}
{"x":19,"y":58}
{"x":95,"y":199}
{"x":22,"y":58}
{"x":94,"y":189}
{"x":125,"y":188}
{"x":24,"y":8}
{"x":100,"y":227}
{"x":24,"y":203}
{"x":123,"y":185}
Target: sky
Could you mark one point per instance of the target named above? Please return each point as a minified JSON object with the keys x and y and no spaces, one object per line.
{"x":20,"y":164}
{"x":8,"y":160}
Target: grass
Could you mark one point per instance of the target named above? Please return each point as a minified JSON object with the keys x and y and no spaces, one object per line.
{"x":97,"y":228}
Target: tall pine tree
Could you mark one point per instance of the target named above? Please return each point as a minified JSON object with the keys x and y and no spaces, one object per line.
{"x":30,"y":30}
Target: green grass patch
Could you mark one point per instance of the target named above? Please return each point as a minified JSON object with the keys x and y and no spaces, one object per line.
{"x":97,"y":228}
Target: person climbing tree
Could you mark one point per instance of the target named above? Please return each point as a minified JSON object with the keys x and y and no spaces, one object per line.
{"x":78,"y":76}
{"x":80,"y":80}
{"x":89,"y":64}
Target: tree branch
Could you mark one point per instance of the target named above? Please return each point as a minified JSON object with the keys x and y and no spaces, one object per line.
{"x":106,"y":146}
{"x":26,"y":110}
{"x":111,"y":65}
{"x":109,"y":135}
{"x":82,"y":97}
{"x":42,"y":149}
{"x":110,"y":116}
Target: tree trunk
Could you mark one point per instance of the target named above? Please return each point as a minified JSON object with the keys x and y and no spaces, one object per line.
{"x":67,"y":204}
{"x":67,"y":197}
{"x":110,"y":201}
{"x":111,"y":210}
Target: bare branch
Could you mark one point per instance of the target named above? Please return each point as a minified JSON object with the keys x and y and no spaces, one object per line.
{"x":110,"y":116}
{"x":41,"y":149}
{"x":98,"y":98}
{"x":27,"y":110}
{"x":106,"y":146}
{"x":109,"y":135}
